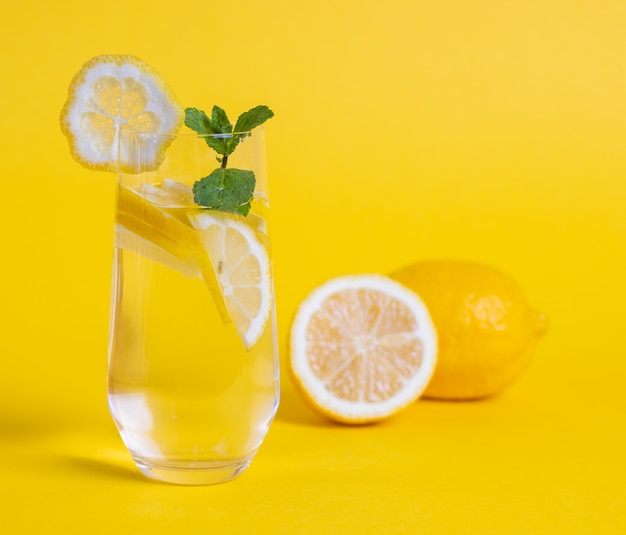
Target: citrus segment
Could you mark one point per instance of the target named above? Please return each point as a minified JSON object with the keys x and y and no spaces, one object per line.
{"x":114,"y":93}
{"x":242,"y":266}
{"x":362,"y":348}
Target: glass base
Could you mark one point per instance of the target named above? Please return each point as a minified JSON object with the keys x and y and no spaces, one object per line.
{"x":193,"y":473}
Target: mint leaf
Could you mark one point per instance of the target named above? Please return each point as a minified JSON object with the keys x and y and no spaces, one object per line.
{"x":238,"y":191}
{"x":198,"y":121}
{"x":226,"y":190}
{"x":207,"y":191}
{"x":220,"y":122}
{"x":252,"y":118}
{"x":246,"y":122}
{"x":217,"y":144}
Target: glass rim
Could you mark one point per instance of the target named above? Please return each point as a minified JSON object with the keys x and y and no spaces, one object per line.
{"x":187,"y":135}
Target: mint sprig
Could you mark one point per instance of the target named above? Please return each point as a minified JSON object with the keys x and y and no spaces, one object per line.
{"x":227,"y":190}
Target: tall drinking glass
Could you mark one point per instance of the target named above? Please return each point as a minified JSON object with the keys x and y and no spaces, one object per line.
{"x":193,"y":368}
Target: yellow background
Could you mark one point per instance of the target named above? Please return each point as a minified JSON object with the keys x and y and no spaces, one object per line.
{"x":405,"y":130}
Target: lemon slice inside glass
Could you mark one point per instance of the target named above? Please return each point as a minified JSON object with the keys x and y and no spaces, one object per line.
{"x":113,"y":93}
{"x":242,"y":266}
{"x":164,"y":235}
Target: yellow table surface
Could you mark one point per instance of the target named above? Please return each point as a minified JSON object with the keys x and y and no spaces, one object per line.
{"x":532,"y":461}
{"x":405,"y":130}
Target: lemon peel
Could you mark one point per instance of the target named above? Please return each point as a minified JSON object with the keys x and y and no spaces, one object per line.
{"x":487,"y":329}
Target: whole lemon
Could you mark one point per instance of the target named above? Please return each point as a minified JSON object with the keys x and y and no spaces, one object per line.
{"x":486,"y":328}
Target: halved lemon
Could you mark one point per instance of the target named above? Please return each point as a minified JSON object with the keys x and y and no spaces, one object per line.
{"x":362,"y":348}
{"x":242,"y":266}
{"x":114,"y":93}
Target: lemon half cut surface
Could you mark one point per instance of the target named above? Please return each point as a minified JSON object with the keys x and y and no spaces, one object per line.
{"x":113,"y":94}
{"x":362,"y":348}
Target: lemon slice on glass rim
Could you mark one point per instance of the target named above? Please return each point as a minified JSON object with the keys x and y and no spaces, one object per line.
{"x":116,"y":93}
